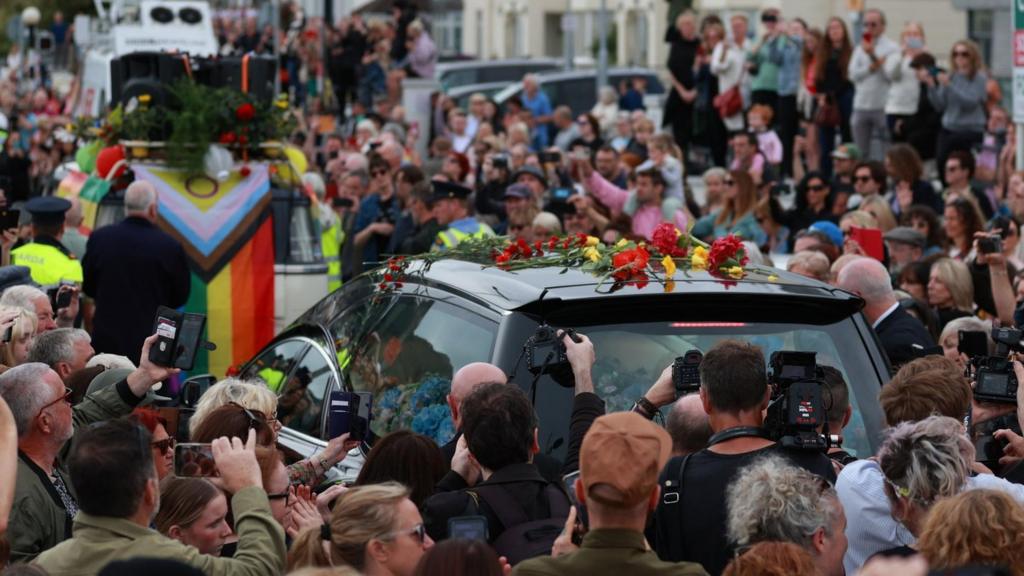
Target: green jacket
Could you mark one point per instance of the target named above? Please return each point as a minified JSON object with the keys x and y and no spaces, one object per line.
{"x":99,"y":540}
{"x":38,"y":520}
{"x":607,"y":551}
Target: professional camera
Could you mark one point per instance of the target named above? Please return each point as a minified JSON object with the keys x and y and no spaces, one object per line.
{"x":545,"y":354}
{"x":797,"y":410}
{"x":994,"y":377}
{"x":686,"y":373}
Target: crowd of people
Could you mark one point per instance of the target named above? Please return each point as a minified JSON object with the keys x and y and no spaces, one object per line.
{"x":905,"y":195}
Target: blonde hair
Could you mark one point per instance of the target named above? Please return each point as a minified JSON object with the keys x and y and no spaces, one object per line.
{"x":24,"y":327}
{"x":973,"y":55}
{"x":251,"y":394}
{"x":880,"y":209}
{"x":360,"y":514}
{"x":955,"y":276}
{"x":913,"y":24}
{"x":968,"y":324}
{"x":860,"y":219}
{"x":182,"y":501}
{"x":978,"y":526}
{"x":814,"y":263}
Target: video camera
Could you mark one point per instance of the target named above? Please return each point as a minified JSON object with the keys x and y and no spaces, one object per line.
{"x":994,"y":378}
{"x":797,"y":410}
{"x":545,"y":354}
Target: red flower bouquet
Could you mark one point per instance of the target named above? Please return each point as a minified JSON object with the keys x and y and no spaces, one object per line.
{"x":630,"y":264}
{"x":726,"y":252}
{"x":669,"y":241}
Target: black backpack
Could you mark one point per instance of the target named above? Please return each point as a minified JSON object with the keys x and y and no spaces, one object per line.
{"x":668,"y":516}
{"x":524,"y":538}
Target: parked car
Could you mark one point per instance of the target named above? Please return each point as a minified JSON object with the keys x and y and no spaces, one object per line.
{"x":577,"y":89}
{"x":404,"y":345}
{"x":461,"y":94}
{"x":455,"y":74}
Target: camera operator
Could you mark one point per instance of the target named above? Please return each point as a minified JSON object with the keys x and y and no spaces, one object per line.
{"x":990,"y":274}
{"x":690,"y":523}
{"x":494,"y":178}
{"x":837,"y":405}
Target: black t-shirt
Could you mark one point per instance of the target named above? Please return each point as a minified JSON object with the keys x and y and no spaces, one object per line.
{"x":703,"y":501}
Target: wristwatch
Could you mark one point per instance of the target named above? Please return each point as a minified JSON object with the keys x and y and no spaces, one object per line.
{"x":645,"y":408}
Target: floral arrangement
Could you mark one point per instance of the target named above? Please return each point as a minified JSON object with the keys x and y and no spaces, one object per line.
{"x":626,"y":262}
{"x":419,"y":406}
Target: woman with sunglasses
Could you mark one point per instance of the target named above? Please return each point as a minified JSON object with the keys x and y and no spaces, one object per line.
{"x":813,"y":203}
{"x":737,"y":215}
{"x":960,"y":96}
{"x":375,"y":529}
{"x":162,"y":443}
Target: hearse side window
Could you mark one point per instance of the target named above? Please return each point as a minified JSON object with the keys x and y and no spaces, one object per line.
{"x":302,"y":398}
{"x":407,"y":359}
{"x":274,"y":365}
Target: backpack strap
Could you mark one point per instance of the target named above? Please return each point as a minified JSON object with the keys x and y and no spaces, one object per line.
{"x":670,"y":514}
{"x":506,"y":508}
{"x":558,"y":501}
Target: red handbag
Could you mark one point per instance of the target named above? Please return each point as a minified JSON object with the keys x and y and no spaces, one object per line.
{"x":728,"y":103}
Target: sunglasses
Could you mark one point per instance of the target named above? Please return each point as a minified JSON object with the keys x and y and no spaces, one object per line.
{"x":164,"y":445}
{"x":255,"y":416}
{"x":862,"y":179}
{"x":871,"y":24}
{"x":66,"y":397}
{"x":376,"y":173}
{"x":815,"y":187}
{"x":729,"y":182}
{"x":961,"y":53}
{"x":419,"y":531}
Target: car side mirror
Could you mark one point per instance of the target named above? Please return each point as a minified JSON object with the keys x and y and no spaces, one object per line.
{"x":194,"y":388}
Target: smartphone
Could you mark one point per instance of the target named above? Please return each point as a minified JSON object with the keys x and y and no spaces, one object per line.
{"x":569,"y":480}
{"x":339,"y":413}
{"x":561,"y":194}
{"x":59,"y":299}
{"x":166,"y":328}
{"x":500,"y":161}
{"x":8,"y":335}
{"x":193,"y":460}
{"x":870,"y":240}
{"x":9,"y":218}
{"x":468,"y":527}
{"x":339,"y":202}
{"x":189,"y":337}
{"x":549,"y":157}
{"x":364,"y":414}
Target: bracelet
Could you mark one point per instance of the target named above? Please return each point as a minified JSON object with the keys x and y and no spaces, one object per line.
{"x":645,"y":408}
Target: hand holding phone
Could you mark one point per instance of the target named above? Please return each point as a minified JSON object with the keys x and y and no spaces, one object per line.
{"x":194,"y":460}
{"x":468,"y":527}
{"x":349,"y":413}
{"x":237,"y":462}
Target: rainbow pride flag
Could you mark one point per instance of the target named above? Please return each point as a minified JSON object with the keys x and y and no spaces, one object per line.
{"x":227,"y":233}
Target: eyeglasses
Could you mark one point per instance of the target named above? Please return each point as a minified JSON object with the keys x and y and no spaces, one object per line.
{"x":952,"y":168}
{"x":286,"y":495}
{"x":871,"y":24}
{"x":376,"y":173}
{"x":815,"y":187}
{"x":729,"y":182}
{"x":66,"y":397}
{"x":164,"y":445}
{"x":419,"y":531}
{"x":961,"y":53}
{"x":862,"y":179}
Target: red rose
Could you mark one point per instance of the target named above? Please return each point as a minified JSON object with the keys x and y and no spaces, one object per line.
{"x":581,"y":239}
{"x":725,"y":249}
{"x":552,"y":242}
{"x":245,"y":171}
{"x":228,"y":138}
{"x":245,"y":113}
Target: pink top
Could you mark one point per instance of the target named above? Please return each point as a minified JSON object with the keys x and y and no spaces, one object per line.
{"x":645,"y":219}
{"x":770,"y":145}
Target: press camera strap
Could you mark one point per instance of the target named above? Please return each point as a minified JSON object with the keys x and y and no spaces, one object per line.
{"x":738,"y":432}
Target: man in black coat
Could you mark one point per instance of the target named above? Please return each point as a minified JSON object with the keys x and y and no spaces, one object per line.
{"x":903,"y":336}
{"x":131,"y":269}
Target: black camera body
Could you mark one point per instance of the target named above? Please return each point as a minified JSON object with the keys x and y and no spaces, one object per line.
{"x":686,"y":373}
{"x":797,"y":409}
{"x":995,"y":380}
{"x":545,"y":354}
{"x":990,"y":244}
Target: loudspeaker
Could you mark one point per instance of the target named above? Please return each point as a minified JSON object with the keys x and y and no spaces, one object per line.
{"x":146,"y":73}
{"x":261,"y":70}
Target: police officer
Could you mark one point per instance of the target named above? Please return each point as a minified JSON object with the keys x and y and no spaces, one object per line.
{"x":451,"y":208}
{"x":50,"y":261}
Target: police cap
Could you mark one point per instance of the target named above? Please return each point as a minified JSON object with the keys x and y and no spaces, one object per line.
{"x":445,"y":190}
{"x":47,"y":210}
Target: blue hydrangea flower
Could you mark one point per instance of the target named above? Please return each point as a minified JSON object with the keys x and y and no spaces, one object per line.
{"x":432,"y":390}
{"x":434,"y":422}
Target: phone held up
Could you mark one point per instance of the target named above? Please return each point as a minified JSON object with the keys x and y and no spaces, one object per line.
{"x":179,"y":336}
{"x":351,"y":413}
{"x":194,"y":460}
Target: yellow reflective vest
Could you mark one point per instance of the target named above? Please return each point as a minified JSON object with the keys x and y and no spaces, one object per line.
{"x":330,"y":244}
{"x":460,"y":230}
{"x":49,"y":262}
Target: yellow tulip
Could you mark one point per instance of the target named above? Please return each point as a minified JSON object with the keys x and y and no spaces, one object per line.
{"x":699,"y":259}
{"x":621,"y":243}
{"x":670,"y":266}
{"x":593,"y":240}
{"x":736,"y":272}
{"x":592,"y":254}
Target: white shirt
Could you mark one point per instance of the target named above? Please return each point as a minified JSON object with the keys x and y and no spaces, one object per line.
{"x":872,"y":88}
{"x":889,"y":310}
{"x":904,"y":87}
{"x":870,"y":527}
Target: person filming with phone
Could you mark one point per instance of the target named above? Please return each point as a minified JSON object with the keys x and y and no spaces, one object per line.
{"x":647,"y":204}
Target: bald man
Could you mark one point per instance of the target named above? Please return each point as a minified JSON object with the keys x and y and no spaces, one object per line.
{"x":903,"y":336}
{"x":469,"y":378}
{"x":132,"y":268}
{"x":688,"y":425}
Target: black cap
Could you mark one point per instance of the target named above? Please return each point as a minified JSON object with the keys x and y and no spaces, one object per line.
{"x":47,"y":210}
{"x":445,"y":190}
{"x":15,"y":276}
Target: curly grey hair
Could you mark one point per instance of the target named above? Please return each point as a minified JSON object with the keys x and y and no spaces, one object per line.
{"x":773,"y":500}
{"x":926,"y":460}
{"x":25,"y":392}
